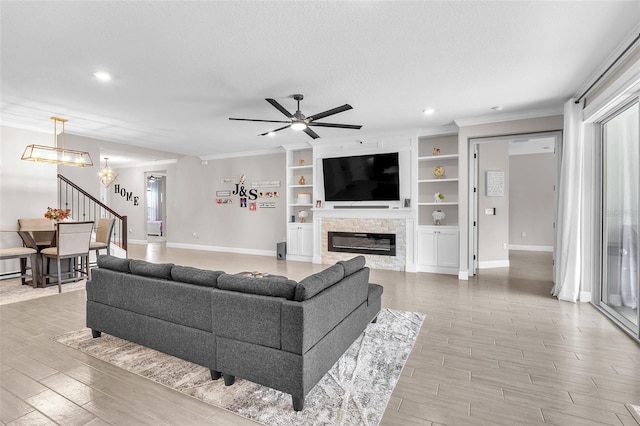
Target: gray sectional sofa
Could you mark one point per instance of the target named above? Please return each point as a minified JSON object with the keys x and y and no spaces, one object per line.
{"x":267,"y":329}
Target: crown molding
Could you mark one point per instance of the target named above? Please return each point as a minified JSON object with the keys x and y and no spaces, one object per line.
{"x":497,"y":118}
{"x":449,"y":129}
{"x":269,"y":151}
{"x":147,"y":164}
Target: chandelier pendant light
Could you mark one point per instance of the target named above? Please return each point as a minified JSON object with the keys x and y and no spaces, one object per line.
{"x":106,"y":175}
{"x":55,"y":154}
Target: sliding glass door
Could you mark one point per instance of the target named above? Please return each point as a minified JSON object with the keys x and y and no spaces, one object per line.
{"x":620,"y":216}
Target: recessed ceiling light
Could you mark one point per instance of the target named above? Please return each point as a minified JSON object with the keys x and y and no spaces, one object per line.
{"x":497,"y":108}
{"x":102,"y":76}
{"x":428,"y":111}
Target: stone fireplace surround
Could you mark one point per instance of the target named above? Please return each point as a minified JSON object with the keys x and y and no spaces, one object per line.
{"x":372,"y":221}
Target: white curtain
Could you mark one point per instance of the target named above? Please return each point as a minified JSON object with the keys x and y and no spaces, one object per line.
{"x":569,"y":260}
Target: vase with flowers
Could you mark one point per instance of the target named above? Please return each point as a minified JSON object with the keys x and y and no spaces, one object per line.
{"x":57,"y":214}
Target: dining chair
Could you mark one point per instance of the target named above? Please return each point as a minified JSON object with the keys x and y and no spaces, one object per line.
{"x":41,"y":229}
{"x":72,"y":242}
{"x":23,"y":253}
{"x":103,"y":236}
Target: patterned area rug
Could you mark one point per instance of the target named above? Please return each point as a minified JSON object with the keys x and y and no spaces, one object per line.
{"x":354,"y":392}
{"x":12,"y":291}
{"x":635,"y":411}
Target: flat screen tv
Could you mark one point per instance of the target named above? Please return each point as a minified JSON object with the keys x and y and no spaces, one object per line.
{"x":372,"y":177}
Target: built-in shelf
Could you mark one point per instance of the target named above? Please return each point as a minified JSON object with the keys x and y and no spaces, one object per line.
{"x":438,"y":157}
{"x":438,"y":180}
{"x":443,"y":203}
{"x":300,"y":186}
{"x":308,"y":166}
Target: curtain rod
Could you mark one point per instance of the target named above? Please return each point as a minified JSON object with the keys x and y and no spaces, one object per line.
{"x":608,"y":68}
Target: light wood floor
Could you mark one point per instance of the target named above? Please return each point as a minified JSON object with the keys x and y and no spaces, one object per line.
{"x":494,"y":350}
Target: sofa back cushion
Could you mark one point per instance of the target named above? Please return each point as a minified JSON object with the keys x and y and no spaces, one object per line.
{"x":188,"y":274}
{"x":352,"y":265}
{"x":314,"y":284}
{"x":151,"y":270}
{"x":114,"y":263}
{"x":269,"y":285}
{"x":179,"y":303}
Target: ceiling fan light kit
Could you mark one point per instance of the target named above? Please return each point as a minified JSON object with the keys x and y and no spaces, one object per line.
{"x":298,"y":121}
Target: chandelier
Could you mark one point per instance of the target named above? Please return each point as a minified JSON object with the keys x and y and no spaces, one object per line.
{"x":55,"y":154}
{"x":106,"y":175}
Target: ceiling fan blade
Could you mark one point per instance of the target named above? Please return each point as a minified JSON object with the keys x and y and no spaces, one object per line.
{"x":327,"y":113}
{"x":340,"y":126}
{"x":311,"y":133}
{"x":279,"y":107}
{"x":273,"y":131}
{"x":264,"y":121}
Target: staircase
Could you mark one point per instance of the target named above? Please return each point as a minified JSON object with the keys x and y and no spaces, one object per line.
{"x":85,"y":207}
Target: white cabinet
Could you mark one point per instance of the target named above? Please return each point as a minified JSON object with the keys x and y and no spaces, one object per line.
{"x":438,"y":249}
{"x":299,"y":241}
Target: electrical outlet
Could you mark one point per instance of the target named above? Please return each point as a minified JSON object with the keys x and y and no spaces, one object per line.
{"x":524,"y":234}
{"x":195,"y":235}
{"x":505,"y":246}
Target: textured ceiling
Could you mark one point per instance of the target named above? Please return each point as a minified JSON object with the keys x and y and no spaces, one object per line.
{"x":181,"y":69}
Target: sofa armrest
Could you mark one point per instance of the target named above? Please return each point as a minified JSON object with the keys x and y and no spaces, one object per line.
{"x":305,"y":323}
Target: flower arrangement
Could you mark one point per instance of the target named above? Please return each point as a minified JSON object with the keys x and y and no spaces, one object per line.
{"x":436,"y":151}
{"x":438,"y":197}
{"x":57,"y":214}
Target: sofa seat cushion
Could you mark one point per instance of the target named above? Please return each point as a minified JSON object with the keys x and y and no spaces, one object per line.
{"x":261,"y":284}
{"x":151,"y":270}
{"x":314,"y":284}
{"x":114,"y":263}
{"x":188,"y":274}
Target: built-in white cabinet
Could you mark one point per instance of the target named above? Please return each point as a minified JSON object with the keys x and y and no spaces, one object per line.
{"x":299,"y":241}
{"x":438,"y":249}
{"x":299,"y":193}
{"x":438,"y":234}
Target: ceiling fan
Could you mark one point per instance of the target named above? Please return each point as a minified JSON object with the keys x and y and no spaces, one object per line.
{"x":298,"y":121}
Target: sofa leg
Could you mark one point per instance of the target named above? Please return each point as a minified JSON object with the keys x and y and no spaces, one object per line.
{"x":95,"y":333}
{"x":298,"y":403}
{"x":229,"y":379}
{"x":215,"y":375}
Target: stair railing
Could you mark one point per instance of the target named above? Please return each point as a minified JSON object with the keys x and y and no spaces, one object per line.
{"x":85,"y":207}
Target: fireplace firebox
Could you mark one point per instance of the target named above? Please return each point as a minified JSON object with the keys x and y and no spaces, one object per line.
{"x":362,"y":243}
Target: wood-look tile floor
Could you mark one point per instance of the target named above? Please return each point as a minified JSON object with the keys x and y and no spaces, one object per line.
{"x":494,"y":350}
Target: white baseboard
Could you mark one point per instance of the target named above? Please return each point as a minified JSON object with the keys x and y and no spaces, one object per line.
{"x":223,"y":249}
{"x":463,"y":275}
{"x":530,"y":248}
{"x":488,"y":264}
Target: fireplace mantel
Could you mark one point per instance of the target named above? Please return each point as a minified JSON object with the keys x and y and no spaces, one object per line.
{"x":364,"y":213}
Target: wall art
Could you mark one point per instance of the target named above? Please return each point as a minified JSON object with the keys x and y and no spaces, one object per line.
{"x":266,"y":184}
{"x":267,"y":205}
{"x":223,"y":193}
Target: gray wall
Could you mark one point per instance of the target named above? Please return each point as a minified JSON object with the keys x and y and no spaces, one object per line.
{"x":27,"y":189}
{"x":192,"y":207}
{"x":531,"y":200}
{"x":493,"y":230}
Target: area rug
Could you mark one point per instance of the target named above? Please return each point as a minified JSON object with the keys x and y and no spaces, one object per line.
{"x":12,"y":291}
{"x":354,"y":392}
{"x":635,"y":411}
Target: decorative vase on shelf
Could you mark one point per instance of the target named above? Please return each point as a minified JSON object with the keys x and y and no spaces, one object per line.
{"x":301,"y":162}
{"x":438,"y":197}
{"x":438,"y":172}
{"x":302,"y":180}
{"x":303,"y":215}
{"x":436,"y":151}
{"x":438,"y":217}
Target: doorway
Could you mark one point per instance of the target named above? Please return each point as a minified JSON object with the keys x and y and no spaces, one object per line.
{"x":513,"y":198}
{"x":156,"y":184}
